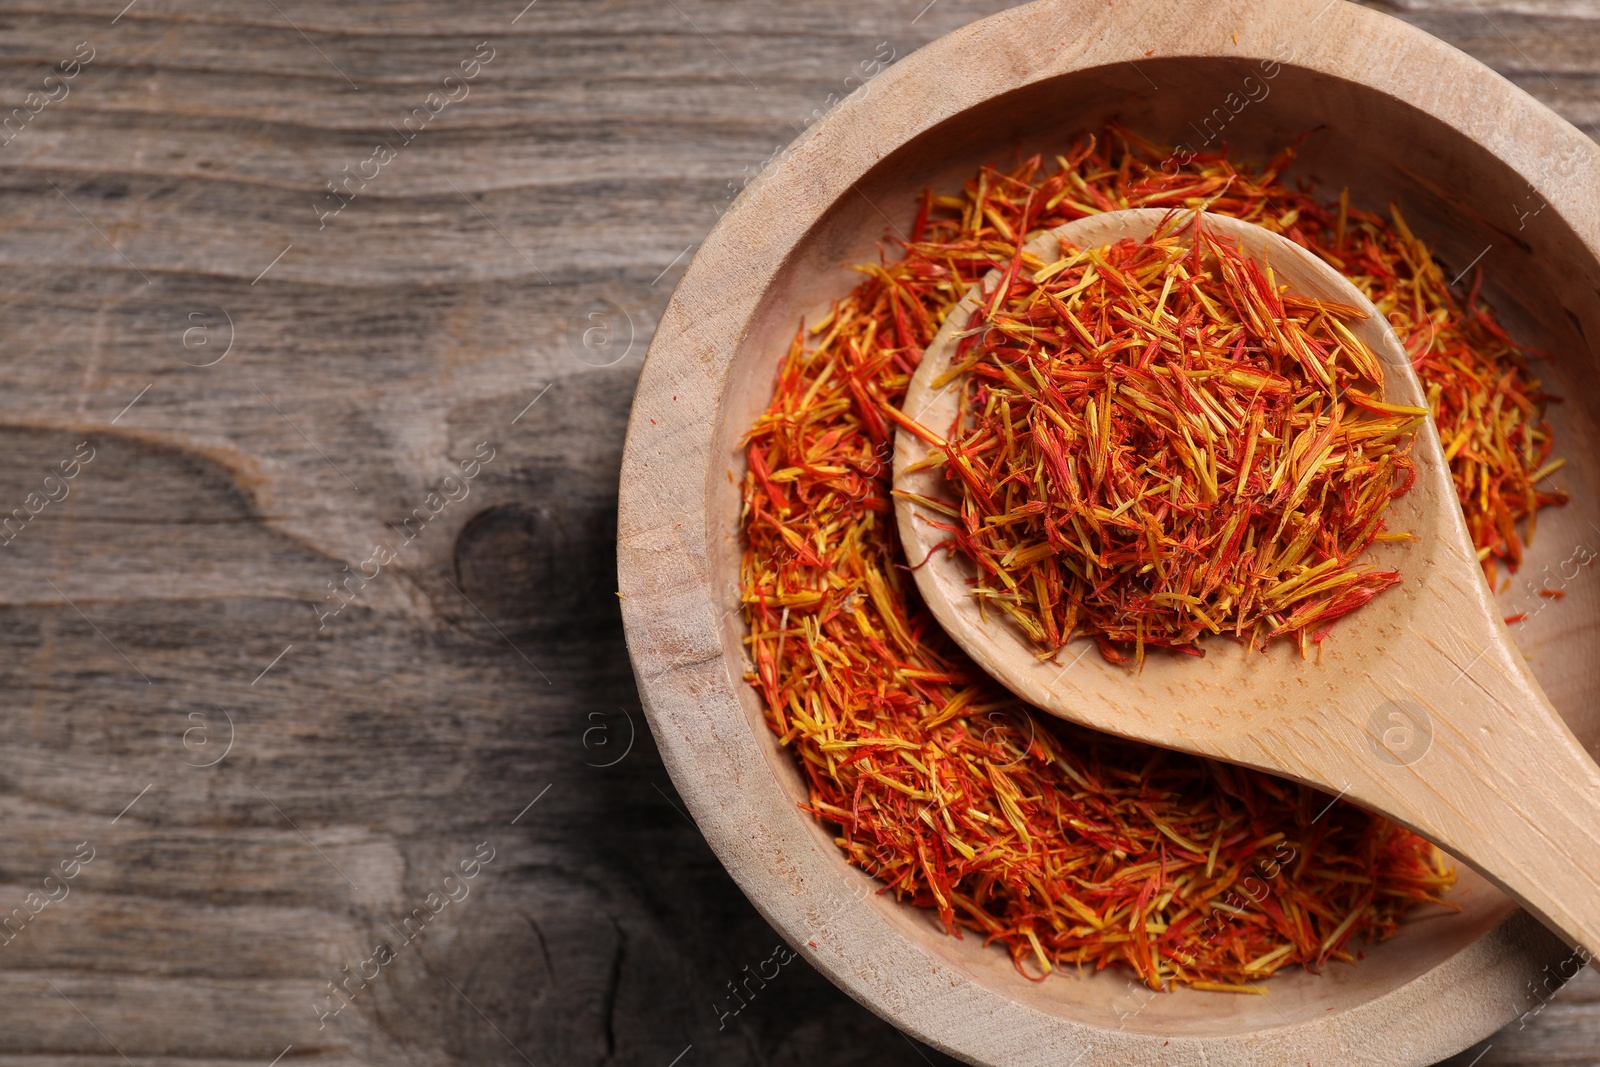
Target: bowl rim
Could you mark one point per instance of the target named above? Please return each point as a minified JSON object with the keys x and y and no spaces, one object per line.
{"x":670,"y":614}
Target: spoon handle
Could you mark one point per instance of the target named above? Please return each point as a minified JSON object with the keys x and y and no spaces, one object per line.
{"x":1504,"y":785}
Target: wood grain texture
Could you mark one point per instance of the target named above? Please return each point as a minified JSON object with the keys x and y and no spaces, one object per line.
{"x":517,"y":244}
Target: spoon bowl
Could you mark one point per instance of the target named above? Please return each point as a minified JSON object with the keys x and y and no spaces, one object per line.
{"x":1418,"y":706}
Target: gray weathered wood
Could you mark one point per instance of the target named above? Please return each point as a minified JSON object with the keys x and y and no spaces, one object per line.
{"x":484,"y":668}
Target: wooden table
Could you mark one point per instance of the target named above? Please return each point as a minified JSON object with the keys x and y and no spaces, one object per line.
{"x":322,"y":622}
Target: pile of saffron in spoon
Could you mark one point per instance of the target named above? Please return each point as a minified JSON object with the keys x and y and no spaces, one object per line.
{"x":1158,"y":441}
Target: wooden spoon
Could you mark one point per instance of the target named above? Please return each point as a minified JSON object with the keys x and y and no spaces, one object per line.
{"x":1419,"y":705}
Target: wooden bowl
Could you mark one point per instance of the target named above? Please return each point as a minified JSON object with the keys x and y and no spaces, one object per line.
{"x":1481,"y":168}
